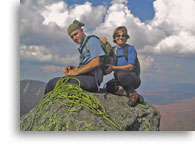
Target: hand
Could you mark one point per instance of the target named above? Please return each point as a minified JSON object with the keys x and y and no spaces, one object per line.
{"x":67,"y":69}
{"x":103,"y":40}
{"x":109,"y":68}
{"x":72,"y":73}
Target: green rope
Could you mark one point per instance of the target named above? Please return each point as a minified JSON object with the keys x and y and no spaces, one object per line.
{"x":144,"y":105}
{"x":75,"y":97}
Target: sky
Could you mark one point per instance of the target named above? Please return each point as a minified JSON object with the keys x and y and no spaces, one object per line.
{"x":162,"y":32}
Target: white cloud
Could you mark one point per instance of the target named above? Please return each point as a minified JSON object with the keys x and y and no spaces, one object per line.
{"x":176,"y":19}
{"x":35,"y":52}
{"x":41,"y":42}
{"x":176,"y":15}
{"x":63,"y":16}
{"x":119,"y":1}
{"x":170,"y":32}
{"x":43,"y":28}
{"x":141,"y":34}
{"x":181,"y":44}
{"x":91,"y":16}
{"x":43,"y":54}
{"x":117,"y":14}
{"x":32,"y":29}
{"x":52,"y":68}
{"x":145,"y":62}
{"x":57,"y":13}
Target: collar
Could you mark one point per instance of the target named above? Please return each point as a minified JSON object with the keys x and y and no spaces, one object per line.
{"x":122,"y":46}
{"x":81,"y":45}
{"x":80,"y":48}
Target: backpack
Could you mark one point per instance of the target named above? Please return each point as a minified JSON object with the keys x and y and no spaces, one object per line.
{"x":113,"y":53}
{"x":107,"y":59}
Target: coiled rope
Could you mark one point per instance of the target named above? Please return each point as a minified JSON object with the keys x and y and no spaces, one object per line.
{"x":74,"y":96}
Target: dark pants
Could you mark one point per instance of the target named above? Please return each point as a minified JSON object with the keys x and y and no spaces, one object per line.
{"x":128,"y":80}
{"x":88,"y":83}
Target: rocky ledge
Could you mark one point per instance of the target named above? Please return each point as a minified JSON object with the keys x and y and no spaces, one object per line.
{"x":56,"y":117}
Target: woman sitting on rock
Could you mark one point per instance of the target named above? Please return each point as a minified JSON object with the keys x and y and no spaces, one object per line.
{"x":126,"y":67}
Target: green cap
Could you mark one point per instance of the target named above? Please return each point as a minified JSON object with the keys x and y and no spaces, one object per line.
{"x":74,"y":26}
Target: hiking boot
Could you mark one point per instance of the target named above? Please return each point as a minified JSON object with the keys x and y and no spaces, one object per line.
{"x":133,"y":99}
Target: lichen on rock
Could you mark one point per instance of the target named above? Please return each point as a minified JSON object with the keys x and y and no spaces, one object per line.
{"x":56,"y":117}
{"x":69,"y":108}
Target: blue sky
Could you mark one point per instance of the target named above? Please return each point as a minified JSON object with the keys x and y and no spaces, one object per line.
{"x":162,"y":32}
{"x":143,"y":9}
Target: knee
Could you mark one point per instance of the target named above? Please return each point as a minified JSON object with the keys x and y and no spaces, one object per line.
{"x":137,"y":83}
{"x":122,"y":75}
{"x":51,"y":84}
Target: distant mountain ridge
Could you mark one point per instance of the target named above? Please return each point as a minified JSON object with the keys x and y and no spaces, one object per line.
{"x":167,"y":93}
{"x":30,"y":93}
{"x":159,"y":93}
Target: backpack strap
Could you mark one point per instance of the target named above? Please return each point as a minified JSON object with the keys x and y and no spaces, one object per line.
{"x":113,"y":55}
{"x":126,"y":51}
{"x":137,"y":64}
{"x":125,"y":48}
{"x":86,"y":44}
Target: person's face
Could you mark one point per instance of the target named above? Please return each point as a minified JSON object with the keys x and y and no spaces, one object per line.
{"x":77,"y":36}
{"x":121,"y":38}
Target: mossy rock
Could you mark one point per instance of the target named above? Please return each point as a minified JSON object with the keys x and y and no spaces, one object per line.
{"x":56,"y":117}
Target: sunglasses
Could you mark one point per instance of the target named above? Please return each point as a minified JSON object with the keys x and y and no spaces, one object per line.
{"x":118,"y":35}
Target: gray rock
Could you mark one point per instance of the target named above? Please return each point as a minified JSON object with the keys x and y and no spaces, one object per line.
{"x":56,"y":117}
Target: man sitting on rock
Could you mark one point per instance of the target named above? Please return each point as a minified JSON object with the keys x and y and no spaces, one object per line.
{"x":88,"y":72}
